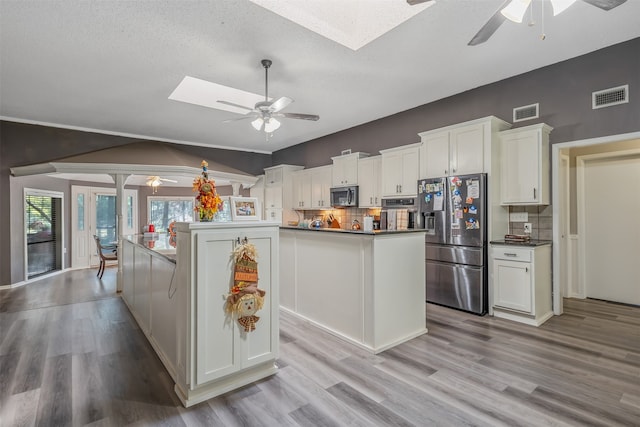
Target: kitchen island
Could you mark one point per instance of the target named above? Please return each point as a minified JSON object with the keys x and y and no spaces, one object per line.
{"x":365,"y":287}
{"x":177,"y":296}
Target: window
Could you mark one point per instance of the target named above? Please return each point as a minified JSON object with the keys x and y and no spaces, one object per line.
{"x":43,"y":212}
{"x":164,"y":210}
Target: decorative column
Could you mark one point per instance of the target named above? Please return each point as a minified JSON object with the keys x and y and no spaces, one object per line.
{"x":120,"y":180}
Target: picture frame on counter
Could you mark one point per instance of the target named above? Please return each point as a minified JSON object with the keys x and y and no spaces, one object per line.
{"x":245,"y":209}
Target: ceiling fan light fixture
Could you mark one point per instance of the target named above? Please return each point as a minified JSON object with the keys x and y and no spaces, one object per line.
{"x":257,"y":124}
{"x":560,"y":6}
{"x":515,"y":10}
{"x":271,"y":125}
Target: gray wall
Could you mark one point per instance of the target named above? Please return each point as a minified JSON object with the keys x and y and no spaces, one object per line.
{"x":25,"y":144}
{"x":563,"y":91}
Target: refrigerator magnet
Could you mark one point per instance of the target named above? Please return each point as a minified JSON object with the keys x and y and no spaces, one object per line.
{"x":472,"y":224}
{"x":458,"y":214}
{"x":469,"y":200}
{"x":473,"y":210}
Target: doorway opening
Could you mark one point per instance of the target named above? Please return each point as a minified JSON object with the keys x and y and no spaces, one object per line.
{"x":568,"y":255}
{"x":43,"y":232}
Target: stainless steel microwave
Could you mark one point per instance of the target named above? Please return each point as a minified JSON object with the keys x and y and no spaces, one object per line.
{"x":344,"y":197}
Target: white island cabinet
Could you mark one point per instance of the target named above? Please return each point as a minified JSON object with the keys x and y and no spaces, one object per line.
{"x":206,"y":352}
{"x":367,"y":288}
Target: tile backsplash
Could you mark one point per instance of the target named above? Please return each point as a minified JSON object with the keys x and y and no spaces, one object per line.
{"x":344,"y":216}
{"x":541,"y":219}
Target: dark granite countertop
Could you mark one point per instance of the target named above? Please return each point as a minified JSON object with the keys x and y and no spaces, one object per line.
{"x":360,"y":232}
{"x":530,"y":243}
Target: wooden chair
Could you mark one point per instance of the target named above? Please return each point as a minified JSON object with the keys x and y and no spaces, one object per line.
{"x":105,"y":253}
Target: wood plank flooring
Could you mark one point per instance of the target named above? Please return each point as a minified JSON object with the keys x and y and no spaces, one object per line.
{"x":72,"y":355}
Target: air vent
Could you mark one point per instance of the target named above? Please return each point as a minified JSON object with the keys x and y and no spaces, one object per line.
{"x":526,"y":113}
{"x":609,"y":97}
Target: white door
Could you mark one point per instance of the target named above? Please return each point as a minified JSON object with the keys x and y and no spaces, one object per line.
{"x":93,"y":213}
{"x":610,"y":227}
{"x":82,"y":245}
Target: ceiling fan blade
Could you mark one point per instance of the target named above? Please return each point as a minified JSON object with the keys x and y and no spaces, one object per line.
{"x":280,"y":103}
{"x":234,"y":105}
{"x":415,"y":2}
{"x":605,"y":4}
{"x":168,"y":180}
{"x":490,"y":27}
{"x":299,"y":116}
{"x":245,"y":117}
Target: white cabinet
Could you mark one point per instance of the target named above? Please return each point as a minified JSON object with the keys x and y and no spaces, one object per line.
{"x":522,"y":283}
{"x":278,"y":193}
{"x":311,"y":188}
{"x":320,"y":187}
{"x":149,"y":288}
{"x":525,"y":163}
{"x":215,"y":354}
{"x":224,"y":348}
{"x":370,"y":182}
{"x":400,"y":166}
{"x":345,"y":169}
{"x":302,"y":190}
{"x":459,"y":150}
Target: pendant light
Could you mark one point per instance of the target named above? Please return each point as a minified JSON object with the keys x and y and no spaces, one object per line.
{"x":559,"y":6}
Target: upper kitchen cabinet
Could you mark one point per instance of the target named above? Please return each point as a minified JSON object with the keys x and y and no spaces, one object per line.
{"x":321,"y":186}
{"x":345,"y":169}
{"x":278,"y":193}
{"x":525,"y":165}
{"x":460,"y":149}
{"x":400,"y":168}
{"x":370,"y":182}
{"x":311,"y":188}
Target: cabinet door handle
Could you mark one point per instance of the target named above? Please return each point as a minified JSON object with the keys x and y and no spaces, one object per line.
{"x":534,"y":193}
{"x":370,"y":200}
{"x":454,"y":171}
{"x":376,"y":200}
{"x":526,"y":269}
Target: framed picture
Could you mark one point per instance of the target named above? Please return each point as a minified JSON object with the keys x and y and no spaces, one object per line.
{"x":244,"y":208}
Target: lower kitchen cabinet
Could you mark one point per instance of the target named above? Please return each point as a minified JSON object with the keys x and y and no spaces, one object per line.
{"x":180,"y":306}
{"x":521,"y":280}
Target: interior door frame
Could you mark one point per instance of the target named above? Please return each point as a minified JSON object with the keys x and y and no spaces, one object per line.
{"x":558,"y":206}
{"x":581,"y":205}
{"x":90,"y":193}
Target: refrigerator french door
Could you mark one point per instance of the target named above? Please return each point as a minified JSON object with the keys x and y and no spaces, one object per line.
{"x":453,"y":211}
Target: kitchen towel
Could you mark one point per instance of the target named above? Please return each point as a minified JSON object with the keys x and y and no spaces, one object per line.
{"x":391,"y":219}
{"x":402,"y":219}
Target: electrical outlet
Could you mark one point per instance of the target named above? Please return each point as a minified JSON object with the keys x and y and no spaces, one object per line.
{"x":527,"y":228}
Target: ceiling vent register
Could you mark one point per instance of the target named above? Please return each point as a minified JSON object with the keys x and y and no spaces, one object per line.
{"x":526,"y":112}
{"x":610,"y":97}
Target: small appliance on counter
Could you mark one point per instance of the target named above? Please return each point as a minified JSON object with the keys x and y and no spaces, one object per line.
{"x":344,"y":197}
{"x":399,"y":214}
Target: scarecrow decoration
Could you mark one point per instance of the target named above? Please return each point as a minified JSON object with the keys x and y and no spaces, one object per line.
{"x":245,"y":299}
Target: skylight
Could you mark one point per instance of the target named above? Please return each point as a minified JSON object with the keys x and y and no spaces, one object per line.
{"x":207,"y":94}
{"x":352,"y":23}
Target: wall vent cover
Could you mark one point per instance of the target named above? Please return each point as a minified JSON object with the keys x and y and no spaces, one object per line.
{"x":527,"y":112}
{"x":609,"y":97}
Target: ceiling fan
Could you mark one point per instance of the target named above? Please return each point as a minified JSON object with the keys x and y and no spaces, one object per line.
{"x":514,"y":10}
{"x":265,"y":113}
{"x":155,"y":181}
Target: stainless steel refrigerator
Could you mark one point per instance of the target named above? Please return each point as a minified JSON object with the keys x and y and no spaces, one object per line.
{"x":453,"y":213}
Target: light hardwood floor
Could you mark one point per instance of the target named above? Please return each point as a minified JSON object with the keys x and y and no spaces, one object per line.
{"x":72,"y":355}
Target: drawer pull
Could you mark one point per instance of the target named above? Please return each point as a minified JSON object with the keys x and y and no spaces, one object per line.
{"x":510,"y":254}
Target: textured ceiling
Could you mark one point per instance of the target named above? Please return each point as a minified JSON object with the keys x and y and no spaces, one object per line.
{"x":111,"y":65}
